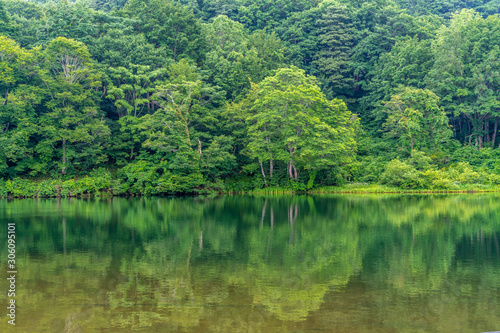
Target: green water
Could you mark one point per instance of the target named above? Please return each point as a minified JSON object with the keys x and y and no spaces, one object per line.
{"x":417,"y":263}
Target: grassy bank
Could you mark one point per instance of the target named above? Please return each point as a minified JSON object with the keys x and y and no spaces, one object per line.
{"x":105,"y":185}
{"x":377,"y":188}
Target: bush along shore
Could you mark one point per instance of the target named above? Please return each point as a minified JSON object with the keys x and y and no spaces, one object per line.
{"x":398,"y":177}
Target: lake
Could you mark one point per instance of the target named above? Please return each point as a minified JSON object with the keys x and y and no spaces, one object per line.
{"x":333,"y":263}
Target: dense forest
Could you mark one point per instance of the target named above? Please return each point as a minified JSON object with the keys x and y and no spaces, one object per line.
{"x":150,"y":97}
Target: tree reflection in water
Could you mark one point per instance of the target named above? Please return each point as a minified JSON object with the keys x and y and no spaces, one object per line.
{"x":241,"y":263}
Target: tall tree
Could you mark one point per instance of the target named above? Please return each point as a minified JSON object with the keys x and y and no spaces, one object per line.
{"x":73,"y":129}
{"x":227,"y":46}
{"x":417,"y":121}
{"x":4,"y":20}
{"x":72,"y":20}
{"x":336,"y":39}
{"x":120,"y":47}
{"x":165,"y":23}
{"x":180,"y":131}
{"x":19,"y":98}
{"x":107,"y":5}
{"x":466,"y":74}
{"x":27,"y":17}
{"x":293,"y":122}
{"x":131,"y":91}
{"x":407,"y":64}
{"x":234,"y":58}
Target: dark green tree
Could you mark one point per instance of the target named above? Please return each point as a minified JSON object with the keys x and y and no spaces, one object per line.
{"x":168,"y":24}
{"x":335,"y":43}
{"x":466,"y":74}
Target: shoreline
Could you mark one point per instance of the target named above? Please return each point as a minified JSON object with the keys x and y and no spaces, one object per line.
{"x":57,"y":193}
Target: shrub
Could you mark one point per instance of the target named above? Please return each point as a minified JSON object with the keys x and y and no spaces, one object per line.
{"x":402,"y":175}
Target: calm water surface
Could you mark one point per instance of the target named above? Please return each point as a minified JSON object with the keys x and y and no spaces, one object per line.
{"x":417,"y":263}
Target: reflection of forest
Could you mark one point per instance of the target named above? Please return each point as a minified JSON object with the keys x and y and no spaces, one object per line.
{"x":230,"y":264}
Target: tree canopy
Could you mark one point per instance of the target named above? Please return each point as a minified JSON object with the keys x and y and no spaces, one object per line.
{"x":194,"y":96}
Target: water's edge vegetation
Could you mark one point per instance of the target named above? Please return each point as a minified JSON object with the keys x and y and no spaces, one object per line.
{"x":108,"y":187}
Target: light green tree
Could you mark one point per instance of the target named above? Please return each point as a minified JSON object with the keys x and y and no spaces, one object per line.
{"x":416,"y":120}
{"x":72,"y":129}
{"x":293,"y":122}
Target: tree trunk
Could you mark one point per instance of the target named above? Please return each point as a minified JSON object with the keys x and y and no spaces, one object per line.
{"x":295,"y":173}
{"x":290,"y":170}
{"x":487,"y":130}
{"x":263,"y":173}
{"x":271,"y":162}
{"x":64,"y":158}
{"x":495,"y":130}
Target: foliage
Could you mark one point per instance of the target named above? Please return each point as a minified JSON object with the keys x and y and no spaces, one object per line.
{"x":211,"y":96}
{"x":292,"y":122}
{"x":417,"y":121}
{"x":466,"y":73}
{"x":169,"y":25}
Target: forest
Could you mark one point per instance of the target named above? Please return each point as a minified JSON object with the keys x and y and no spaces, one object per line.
{"x":157,"y":97}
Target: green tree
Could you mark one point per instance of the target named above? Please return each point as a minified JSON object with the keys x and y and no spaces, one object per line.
{"x":466,"y":74}
{"x":407,"y":64}
{"x":443,"y":8}
{"x":107,"y":5}
{"x":20,"y":96}
{"x":209,"y":9}
{"x":417,"y":121}
{"x":72,"y":130}
{"x":266,"y":53}
{"x":335,"y":41}
{"x":4,"y":20}
{"x":72,"y":20}
{"x":120,"y":48}
{"x":260,"y":14}
{"x":227,"y":45}
{"x":26,"y":17}
{"x":131,"y":91}
{"x":234,"y":58}
{"x":293,"y":122}
{"x":165,"y":23}
{"x":180,"y":129}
